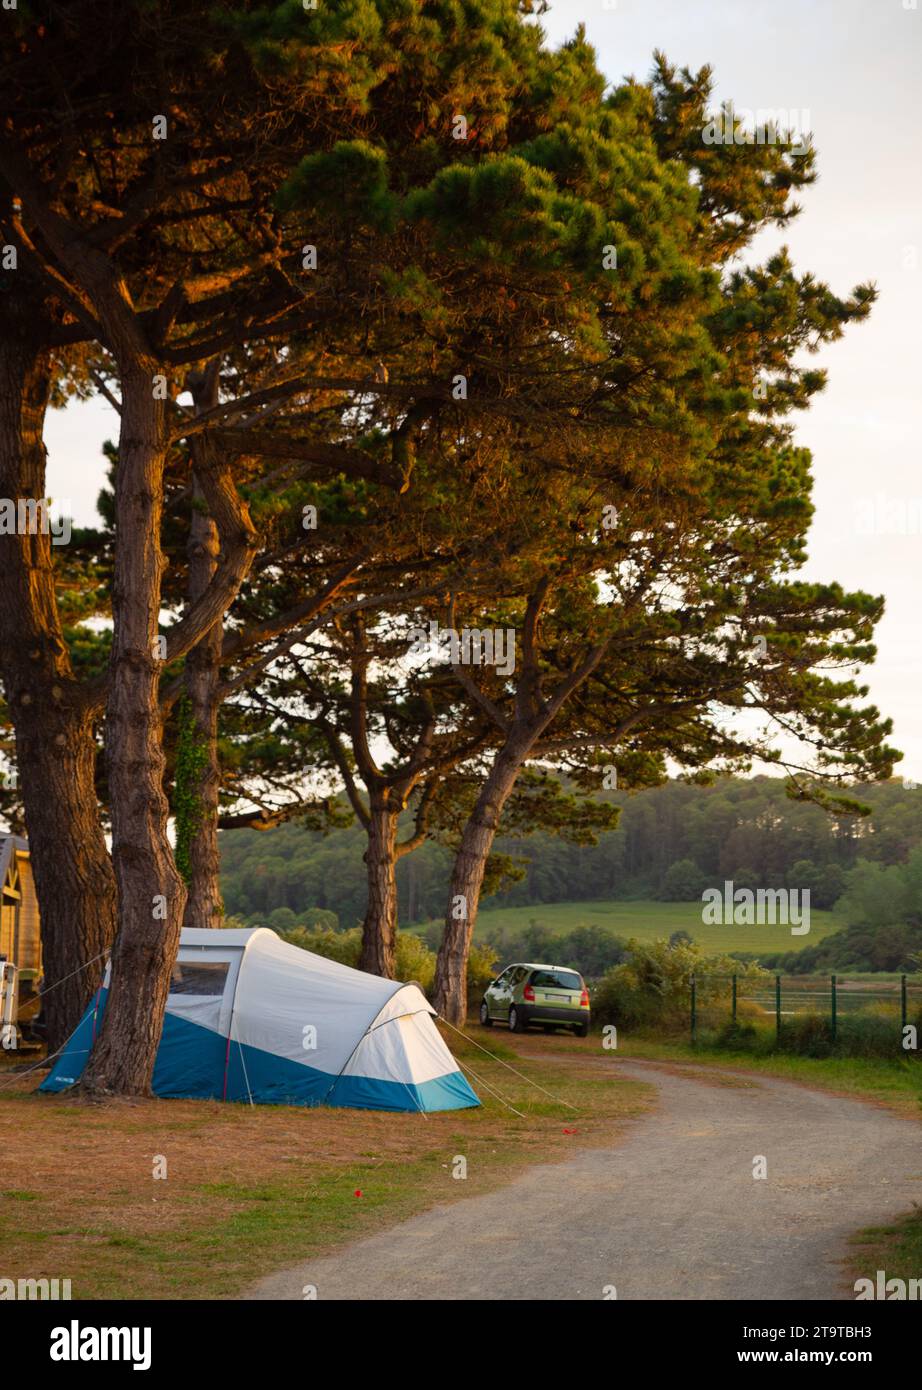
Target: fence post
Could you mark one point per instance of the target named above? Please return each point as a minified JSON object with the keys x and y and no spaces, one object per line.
{"x":902,"y":1006}
{"x":777,"y":1008}
{"x":834,"y":1019}
{"x":694,"y":1018}
{"x":734,"y":998}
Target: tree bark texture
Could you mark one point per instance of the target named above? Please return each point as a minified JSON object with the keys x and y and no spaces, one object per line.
{"x":53,"y":722}
{"x":204,"y":906}
{"x":151,"y":893}
{"x":450,"y":999}
{"x":379,"y":930}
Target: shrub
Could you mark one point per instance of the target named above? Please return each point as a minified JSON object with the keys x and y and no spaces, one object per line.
{"x":591,"y":950}
{"x":281,"y":919}
{"x":809,"y":1035}
{"x":683,"y":882}
{"x":342,"y":946}
{"x":737,"y":1035}
{"x":651,"y":990}
{"x":481,"y":967}
{"x":872,"y":1032}
{"x":315,"y":917}
{"x":233,"y":923}
{"x":414,"y":960}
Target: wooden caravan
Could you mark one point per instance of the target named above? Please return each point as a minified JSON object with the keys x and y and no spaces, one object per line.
{"x":20,"y":933}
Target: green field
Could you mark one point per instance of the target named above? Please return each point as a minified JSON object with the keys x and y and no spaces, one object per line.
{"x":649,"y":920}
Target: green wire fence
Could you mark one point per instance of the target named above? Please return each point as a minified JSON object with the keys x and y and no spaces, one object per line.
{"x":719,"y":999}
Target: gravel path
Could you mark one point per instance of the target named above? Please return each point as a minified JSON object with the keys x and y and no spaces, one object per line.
{"x":672,"y":1211}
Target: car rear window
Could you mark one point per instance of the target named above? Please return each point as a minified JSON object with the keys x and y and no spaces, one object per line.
{"x":556,"y":979}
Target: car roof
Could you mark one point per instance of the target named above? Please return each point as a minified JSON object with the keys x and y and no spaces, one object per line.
{"x":539,"y":965}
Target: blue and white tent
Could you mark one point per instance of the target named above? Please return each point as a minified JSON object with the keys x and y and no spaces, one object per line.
{"x":252,"y":1018}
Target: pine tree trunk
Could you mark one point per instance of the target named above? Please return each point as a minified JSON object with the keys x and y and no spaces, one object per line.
{"x":412,"y":889}
{"x":450,"y":1000}
{"x":53,"y":723}
{"x":204,"y":907}
{"x":151,"y":893}
{"x":379,"y":930}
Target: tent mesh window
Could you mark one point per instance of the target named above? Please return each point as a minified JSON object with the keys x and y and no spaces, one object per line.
{"x":199,"y":977}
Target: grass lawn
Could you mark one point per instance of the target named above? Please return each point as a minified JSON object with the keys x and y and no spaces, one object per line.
{"x":649,"y":920}
{"x":896,"y":1249}
{"x":251,"y":1189}
{"x":896,"y":1084}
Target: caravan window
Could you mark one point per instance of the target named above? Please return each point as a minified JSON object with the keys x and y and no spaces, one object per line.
{"x":199,"y":977}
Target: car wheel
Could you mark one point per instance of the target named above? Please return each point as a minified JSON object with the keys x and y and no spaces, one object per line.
{"x":516,"y":1023}
{"x":485,"y":1018}
{"x":582,"y":1030}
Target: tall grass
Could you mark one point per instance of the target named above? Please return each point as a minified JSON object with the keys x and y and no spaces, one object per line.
{"x":871,"y":1032}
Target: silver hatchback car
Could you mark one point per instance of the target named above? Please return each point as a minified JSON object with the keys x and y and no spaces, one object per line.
{"x":553,"y":996}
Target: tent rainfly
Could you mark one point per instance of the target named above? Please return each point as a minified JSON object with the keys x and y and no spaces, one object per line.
{"x":252,"y":1018}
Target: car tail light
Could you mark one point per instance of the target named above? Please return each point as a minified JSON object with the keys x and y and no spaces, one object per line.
{"x":584,"y":999}
{"x":528,"y":994}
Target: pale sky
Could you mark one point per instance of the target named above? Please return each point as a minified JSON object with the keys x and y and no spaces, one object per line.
{"x":852,"y":69}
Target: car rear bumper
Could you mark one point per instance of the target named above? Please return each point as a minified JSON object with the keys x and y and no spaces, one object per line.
{"x":548,"y":1013}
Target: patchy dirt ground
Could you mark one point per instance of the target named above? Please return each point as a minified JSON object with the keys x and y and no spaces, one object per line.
{"x":249,"y":1189}
{"x":675,"y":1211}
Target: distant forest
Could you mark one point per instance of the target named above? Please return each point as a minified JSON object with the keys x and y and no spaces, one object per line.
{"x":671,"y":842}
